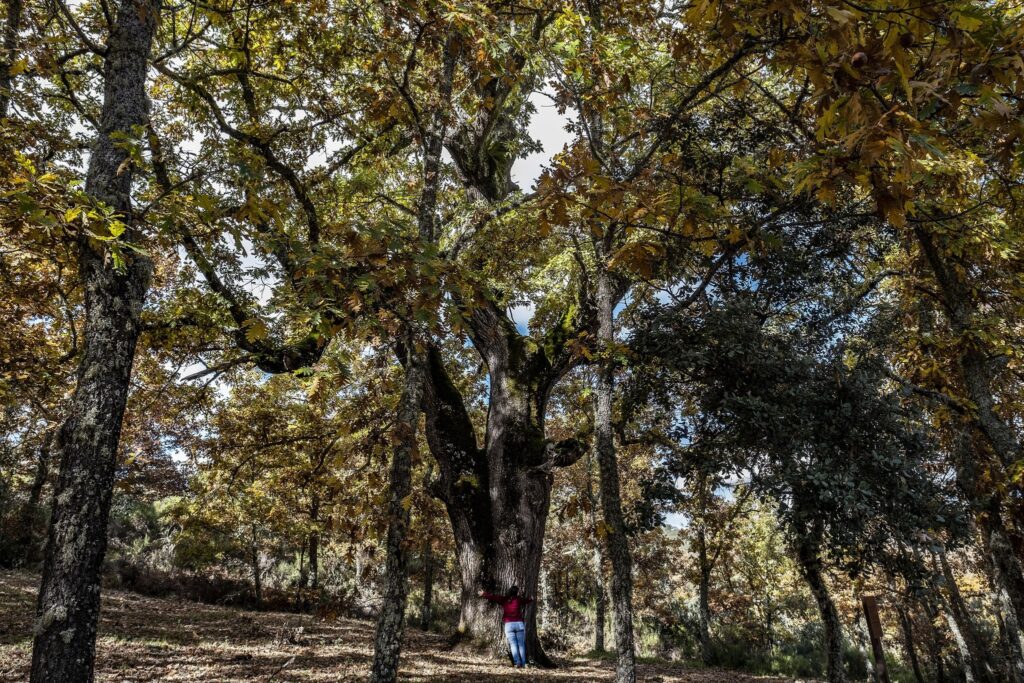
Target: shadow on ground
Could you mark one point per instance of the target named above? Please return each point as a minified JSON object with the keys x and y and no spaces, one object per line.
{"x":150,"y":639}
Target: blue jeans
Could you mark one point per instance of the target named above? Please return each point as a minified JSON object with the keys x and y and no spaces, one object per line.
{"x":515,"y":631}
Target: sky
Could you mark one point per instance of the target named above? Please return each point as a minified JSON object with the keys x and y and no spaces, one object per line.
{"x":548,"y":127}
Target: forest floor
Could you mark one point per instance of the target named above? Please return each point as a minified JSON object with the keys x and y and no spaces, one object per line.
{"x":150,"y":639}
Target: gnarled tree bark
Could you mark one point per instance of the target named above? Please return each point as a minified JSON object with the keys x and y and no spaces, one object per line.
{"x":69,"y":598}
{"x":497,"y":495}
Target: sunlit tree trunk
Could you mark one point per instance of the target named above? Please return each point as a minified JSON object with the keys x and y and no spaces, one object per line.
{"x":69,"y":597}
{"x":616,"y":540}
{"x":520,"y":495}
{"x":1009,"y":638}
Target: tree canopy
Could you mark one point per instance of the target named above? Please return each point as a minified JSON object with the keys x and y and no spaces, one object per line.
{"x":281,"y":306}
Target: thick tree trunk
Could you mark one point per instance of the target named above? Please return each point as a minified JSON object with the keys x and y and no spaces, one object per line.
{"x":391,"y":621}
{"x":69,"y":597}
{"x":520,"y":498}
{"x":499,"y":530}
{"x":809,"y":562}
{"x":462,"y":486}
{"x":1000,"y":555}
{"x":1004,"y":566}
{"x":978,"y":371}
{"x":497,"y":497}
{"x":1007,"y":578}
{"x":617,"y":542}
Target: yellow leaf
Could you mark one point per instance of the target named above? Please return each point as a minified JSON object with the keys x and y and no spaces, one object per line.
{"x":255,"y":330}
{"x":966,"y":23}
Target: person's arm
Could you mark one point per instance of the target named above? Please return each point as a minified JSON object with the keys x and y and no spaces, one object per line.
{"x":491,"y":596}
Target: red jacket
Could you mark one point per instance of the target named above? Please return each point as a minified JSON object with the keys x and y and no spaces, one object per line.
{"x":511,"y":608}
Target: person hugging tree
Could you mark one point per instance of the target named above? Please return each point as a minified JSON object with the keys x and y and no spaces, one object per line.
{"x":512,"y":606}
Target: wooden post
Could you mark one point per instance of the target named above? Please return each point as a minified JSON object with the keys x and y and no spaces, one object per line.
{"x":870,"y":605}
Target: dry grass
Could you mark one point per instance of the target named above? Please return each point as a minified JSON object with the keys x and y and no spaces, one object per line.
{"x":148,"y":639}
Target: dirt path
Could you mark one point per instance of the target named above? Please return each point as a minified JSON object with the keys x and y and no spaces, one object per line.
{"x":149,"y":639}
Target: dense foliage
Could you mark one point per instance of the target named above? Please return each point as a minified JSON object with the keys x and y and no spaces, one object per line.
{"x":284,"y":324}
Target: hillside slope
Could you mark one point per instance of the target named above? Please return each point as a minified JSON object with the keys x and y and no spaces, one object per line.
{"x":149,"y":639}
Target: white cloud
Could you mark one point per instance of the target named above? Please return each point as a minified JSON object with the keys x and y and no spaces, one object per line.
{"x":548,"y":127}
